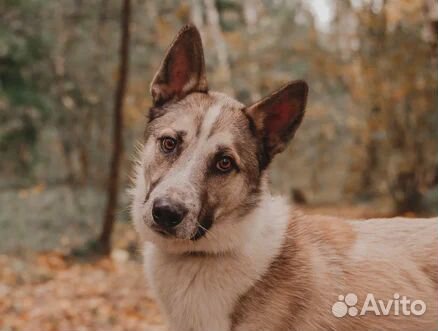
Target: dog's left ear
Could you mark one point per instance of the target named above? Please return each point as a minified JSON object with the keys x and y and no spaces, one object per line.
{"x":182,"y":70}
{"x":278,"y":116}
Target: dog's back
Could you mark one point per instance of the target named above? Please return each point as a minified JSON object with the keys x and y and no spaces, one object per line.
{"x":323,"y":258}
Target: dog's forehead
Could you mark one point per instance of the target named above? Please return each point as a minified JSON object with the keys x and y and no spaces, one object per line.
{"x":204,"y":114}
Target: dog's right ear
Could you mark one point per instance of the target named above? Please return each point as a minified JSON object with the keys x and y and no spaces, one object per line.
{"x":182,"y":70}
{"x":277,"y":117}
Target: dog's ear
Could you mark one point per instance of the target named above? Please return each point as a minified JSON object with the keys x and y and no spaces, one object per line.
{"x":277,"y":117}
{"x":182,"y":70}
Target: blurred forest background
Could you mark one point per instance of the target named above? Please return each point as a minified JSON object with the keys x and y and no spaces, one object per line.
{"x":368,"y":144}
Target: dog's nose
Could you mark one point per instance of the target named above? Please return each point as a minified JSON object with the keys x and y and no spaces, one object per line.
{"x":167,"y":213}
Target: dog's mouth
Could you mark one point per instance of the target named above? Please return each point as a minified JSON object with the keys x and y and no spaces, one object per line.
{"x":203,"y":227}
{"x":161,"y":231}
{"x":201,"y":230}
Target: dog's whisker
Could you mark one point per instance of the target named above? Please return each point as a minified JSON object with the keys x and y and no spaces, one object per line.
{"x":208,"y":233}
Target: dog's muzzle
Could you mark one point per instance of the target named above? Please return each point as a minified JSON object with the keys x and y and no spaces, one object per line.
{"x":167,"y":214}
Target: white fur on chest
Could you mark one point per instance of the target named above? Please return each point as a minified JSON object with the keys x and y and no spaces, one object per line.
{"x":198,"y":293}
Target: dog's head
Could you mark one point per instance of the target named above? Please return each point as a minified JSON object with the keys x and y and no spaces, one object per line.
{"x":201,"y":167}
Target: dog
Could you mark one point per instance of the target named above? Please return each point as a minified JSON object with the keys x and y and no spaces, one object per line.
{"x":222,"y":254}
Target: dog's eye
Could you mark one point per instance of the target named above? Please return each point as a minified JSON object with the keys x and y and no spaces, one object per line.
{"x":168,"y":144}
{"x":224,"y":164}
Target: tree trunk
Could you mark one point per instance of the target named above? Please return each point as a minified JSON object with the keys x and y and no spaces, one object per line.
{"x":112,"y":190}
{"x":223,"y":72}
{"x":197,"y":14}
{"x":250,"y":15}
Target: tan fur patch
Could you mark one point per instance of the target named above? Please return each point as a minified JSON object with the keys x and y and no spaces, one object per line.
{"x":319,"y":261}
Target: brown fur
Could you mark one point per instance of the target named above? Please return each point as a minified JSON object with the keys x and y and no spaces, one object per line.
{"x":318,"y":262}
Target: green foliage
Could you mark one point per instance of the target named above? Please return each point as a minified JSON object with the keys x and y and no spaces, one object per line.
{"x":23,"y":101}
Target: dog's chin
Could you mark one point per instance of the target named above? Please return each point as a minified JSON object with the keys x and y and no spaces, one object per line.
{"x":198,"y":234}
{"x":158,"y":235}
{"x":172,"y":235}
{"x":198,"y":241}
{"x":161,"y":232}
{"x":171,"y":243}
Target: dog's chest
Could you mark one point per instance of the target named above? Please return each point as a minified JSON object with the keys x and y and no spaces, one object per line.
{"x":197,"y":293}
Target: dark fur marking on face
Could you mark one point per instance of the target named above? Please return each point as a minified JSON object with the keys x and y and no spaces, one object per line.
{"x":205,"y":225}
{"x":249,"y":204}
{"x":151,"y":188}
{"x":205,"y":218}
{"x":251,"y":124}
{"x":156,"y":112}
{"x":252,"y":201}
{"x":220,"y":152}
{"x":264,"y":159}
{"x":198,"y":129}
{"x":262,"y":156}
{"x":181,"y":134}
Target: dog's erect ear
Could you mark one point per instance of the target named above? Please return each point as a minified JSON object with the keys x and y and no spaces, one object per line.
{"x":277,"y":117}
{"x":182,"y":70}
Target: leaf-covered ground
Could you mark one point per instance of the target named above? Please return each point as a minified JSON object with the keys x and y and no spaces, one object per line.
{"x":49,"y":291}
{"x":62,"y":290}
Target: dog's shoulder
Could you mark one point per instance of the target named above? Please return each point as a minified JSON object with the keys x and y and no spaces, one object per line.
{"x":268,"y":302}
{"x":326,"y":233}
